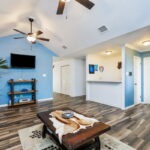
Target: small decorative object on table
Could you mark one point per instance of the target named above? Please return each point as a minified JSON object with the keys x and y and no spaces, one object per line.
{"x":68,"y":115}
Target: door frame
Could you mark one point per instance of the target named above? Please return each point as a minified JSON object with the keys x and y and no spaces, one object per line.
{"x":140,"y":80}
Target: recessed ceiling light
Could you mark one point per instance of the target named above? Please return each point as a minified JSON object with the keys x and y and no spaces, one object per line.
{"x":64,"y":47}
{"x":146,"y":43}
{"x":65,"y":1}
{"x":108,"y":52}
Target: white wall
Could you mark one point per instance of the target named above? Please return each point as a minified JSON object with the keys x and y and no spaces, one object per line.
{"x":105,"y":87}
{"x":105,"y":93}
{"x":77,"y":76}
{"x":111,"y":72}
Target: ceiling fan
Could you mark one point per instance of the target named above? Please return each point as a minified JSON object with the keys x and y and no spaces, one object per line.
{"x":31,"y":37}
{"x":86,"y":3}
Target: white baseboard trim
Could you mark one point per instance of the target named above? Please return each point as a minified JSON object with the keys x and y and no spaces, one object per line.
{"x":145,"y":103}
{"x":125,"y":108}
{"x":40,"y":100}
{"x":104,"y":103}
{"x":45,"y":99}
{"x":4,"y":105}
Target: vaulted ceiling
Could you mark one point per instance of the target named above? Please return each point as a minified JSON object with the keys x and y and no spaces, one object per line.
{"x":80,"y":30}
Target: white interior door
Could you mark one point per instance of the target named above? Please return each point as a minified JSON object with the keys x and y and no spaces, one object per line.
{"x":147,"y":80}
{"x":137,"y":80}
{"x":65,"y":80}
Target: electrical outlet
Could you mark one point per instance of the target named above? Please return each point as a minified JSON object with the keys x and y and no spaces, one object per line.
{"x":44,"y":75}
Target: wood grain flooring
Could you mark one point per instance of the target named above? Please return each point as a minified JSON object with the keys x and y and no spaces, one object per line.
{"x":131,"y":126}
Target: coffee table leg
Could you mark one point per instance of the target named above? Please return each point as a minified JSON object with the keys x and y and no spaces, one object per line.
{"x":98,"y":143}
{"x":44,"y":131}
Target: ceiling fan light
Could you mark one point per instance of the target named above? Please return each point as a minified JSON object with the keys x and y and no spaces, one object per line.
{"x":31,"y":38}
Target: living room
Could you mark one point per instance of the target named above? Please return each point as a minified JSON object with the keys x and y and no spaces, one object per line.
{"x":74,"y":75}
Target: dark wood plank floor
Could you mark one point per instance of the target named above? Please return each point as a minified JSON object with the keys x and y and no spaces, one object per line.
{"x":131,"y":126}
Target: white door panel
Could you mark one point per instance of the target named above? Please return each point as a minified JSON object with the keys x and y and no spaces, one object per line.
{"x":137,"y":79}
{"x":65,"y":80}
{"x":147,"y":80}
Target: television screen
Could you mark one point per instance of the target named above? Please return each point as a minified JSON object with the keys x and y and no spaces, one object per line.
{"x":22,"y":61}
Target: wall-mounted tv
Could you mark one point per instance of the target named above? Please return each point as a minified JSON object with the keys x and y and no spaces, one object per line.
{"x":22,"y":61}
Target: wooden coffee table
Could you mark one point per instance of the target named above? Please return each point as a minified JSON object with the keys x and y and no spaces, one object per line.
{"x":85,"y":139}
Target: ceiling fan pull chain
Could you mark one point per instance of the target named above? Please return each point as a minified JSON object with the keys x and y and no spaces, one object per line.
{"x":31,"y":47}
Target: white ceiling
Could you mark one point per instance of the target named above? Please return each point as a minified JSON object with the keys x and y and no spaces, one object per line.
{"x":80,"y":30}
{"x":133,"y":40}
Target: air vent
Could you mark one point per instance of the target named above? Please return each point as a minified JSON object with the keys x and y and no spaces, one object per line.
{"x":64,"y":47}
{"x":103,"y":29}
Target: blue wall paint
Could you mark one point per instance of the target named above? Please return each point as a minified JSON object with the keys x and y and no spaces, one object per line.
{"x":43,"y":66}
{"x":129,"y":80}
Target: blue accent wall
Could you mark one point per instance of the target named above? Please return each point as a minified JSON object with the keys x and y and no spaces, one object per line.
{"x":129,"y":80}
{"x":43,"y":66}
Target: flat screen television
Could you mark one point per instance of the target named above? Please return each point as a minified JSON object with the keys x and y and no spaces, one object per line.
{"x":22,"y":61}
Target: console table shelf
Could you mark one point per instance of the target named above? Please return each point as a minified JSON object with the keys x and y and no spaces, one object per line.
{"x":12,"y":92}
{"x":21,"y":92}
{"x":23,"y":103}
{"x":20,"y":81}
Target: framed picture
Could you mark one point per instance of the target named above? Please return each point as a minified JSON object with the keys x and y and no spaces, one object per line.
{"x":119,"y":66}
{"x":91,"y":69}
{"x":101,"y":68}
{"x":96,"y":67}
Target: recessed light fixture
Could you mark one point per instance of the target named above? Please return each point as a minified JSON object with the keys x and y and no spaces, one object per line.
{"x":65,"y":1}
{"x":108,"y":52}
{"x":64,"y":47}
{"x":146,"y":43}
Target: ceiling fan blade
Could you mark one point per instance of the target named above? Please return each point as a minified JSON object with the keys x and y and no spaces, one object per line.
{"x":43,"y":39}
{"x":19,"y":37}
{"x":86,"y":3}
{"x":19,"y":31}
{"x":38,"y":32}
{"x":61,"y":7}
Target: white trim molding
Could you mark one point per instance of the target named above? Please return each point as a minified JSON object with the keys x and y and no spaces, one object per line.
{"x":45,"y":99}
{"x":125,"y":108}
{"x":3,"y":105}
{"x":123,"y":50}
{"x":38,"y":101}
